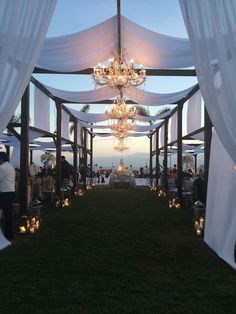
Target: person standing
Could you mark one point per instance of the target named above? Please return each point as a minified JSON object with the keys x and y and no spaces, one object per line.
{"x":7,"y":194}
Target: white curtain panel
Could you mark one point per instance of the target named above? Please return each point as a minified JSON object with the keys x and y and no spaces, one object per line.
{"x":78,"y":132}
{"x":173,"y":128}
{"x":220,"y":228}
{"x":154,"y":49}
{"x":194,"y":112}
{"x":211,"y":26}
{"x":23,"y":25}
{"x":65,"y":118}
{"x":41,"y":110}
{"x":80,"y":50}
{"x":15,"y":157}
{"x":154,"y":141}
{"x":132,"y":93}
{"x":93,"y":95}
{"x":161,"y":136}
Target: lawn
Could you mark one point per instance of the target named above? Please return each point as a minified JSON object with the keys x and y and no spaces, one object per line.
{"x":115,"y":251}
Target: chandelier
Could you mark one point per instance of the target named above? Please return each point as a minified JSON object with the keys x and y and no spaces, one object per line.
{"x":121,"y":146}
{"x":120,"y":110}
{"x":119,"y":73}
{"x":121,"y":126}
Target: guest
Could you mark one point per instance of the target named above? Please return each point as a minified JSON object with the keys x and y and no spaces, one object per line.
{"x":7,"y":194}
{"x":66,"y":170}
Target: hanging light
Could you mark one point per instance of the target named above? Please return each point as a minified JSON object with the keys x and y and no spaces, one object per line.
{"x":120,"y":110}
{"x":119,"y":73}
{"x":121,"y":145}
{"x":122,"y":126}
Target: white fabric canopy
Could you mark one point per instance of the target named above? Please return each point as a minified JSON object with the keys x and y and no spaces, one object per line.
{"x":93,"y":95}
{"x":79,"y":133}
{"x":86,"y":48}
{"x":161,"y":136}
{"x":194,"y":112}
{"x":130,"y":134}
{"x":80,"y":50}
{"x":211,"y":26}
{"x":41,"y":110}
{"x":154,"y":49}
{"x":220,"y":227}
{"x":23,"y":25}
{"x":132,"y":93}
{"x":137,"y":128}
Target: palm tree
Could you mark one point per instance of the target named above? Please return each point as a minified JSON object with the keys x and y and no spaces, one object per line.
{"x":141,"y":110}
{"x":165,"y":109}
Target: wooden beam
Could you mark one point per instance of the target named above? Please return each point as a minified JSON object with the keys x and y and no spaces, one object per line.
{"x":149,"y":72}
{"x":165,"y":172}
{"x":58,"y":151}
{"x":24,"y":152}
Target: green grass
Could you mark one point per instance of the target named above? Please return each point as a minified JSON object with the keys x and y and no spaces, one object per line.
{"x":115,"y":251}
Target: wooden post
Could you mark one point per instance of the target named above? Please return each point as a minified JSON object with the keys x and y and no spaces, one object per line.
{"x":8,"y":151}
{"x":207,"y":145}
{"x":58,"y":151}
{"x":195,"y":163}
{"x":24,"y":152}
{"x":157,"y":156}
{"x":165,"y":172}
{"x":75,"y":155}
{"x":179,"y":153}
{"x":150,"y":159}
{"x":31,"y":156}
{"x":91,"y":155}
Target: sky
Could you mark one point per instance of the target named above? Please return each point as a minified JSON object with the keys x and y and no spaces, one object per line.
{"x":72,"y":16}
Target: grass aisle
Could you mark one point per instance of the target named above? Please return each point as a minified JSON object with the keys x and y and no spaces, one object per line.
{"x":115,"y":251}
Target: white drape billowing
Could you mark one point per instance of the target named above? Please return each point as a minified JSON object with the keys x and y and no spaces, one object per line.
{"x":154,"y":49}
{"x":23,"y":25}
{"x":132,"y":93}
{"x":41,"y":110}
{"x":220,"y":228}
{"x":78,"y":132}
{"x":80,"y":50}
{"x":194,"y":112}
{"x":211,"y":26}
{"x":86,"y":48}
{"x":173,"y":128}
{"x":161,"y":136}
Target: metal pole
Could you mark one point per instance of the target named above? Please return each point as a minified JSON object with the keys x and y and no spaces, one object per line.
{"x":58,"y":151}
{"x":24,"y":152}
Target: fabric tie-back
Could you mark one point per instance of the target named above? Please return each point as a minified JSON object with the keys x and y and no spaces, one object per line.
{"x":211,"y":27}
{"x":41,"y":110}
{"x":220,"y":227}
{"x":84,"y":49}
{"x":23,"y":25}
{"x":132,"y":93}
{"x":194,"y":112}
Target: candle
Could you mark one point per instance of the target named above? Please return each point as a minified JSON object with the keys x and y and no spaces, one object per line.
{"x":31,"y":229}
{"x":198,"y":232}
{"x":22,"y":229}
{"x":201,"y":223}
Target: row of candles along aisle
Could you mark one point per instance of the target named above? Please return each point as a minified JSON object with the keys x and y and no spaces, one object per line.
{"x":175,"y":203}
{"x":31,"y":224}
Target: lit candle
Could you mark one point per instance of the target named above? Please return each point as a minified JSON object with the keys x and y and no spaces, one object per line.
{"x":22,"y":229}
{"x":201,"y":221}
{"x":198,"y":232}
{"x":31,"y":229}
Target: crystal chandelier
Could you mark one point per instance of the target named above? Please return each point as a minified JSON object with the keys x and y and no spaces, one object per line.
{"x":121,"y":126}
{"x":120,"y":110}
{"x":119,"y":73}
{"x":121,"y":145}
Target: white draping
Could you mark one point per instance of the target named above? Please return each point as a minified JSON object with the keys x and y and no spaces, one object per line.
{"x":132,"y":93}
{"x":111,"y":134}
{"x":137,"y":128}
{"x":161,"y":136}
{"x":99,"y":117}
{"x":93,"y":95}
{"x":88,"y":117}
{"x":23,"y":25}
{"x":155,"y":99}
{"x":84,"y":49}
{"x":15,"y":156}
{"x":173,"y":128}
{"x":65,"y":118}
{"x":194,"y":112}
{"x":211,"y":27}
{"x":79,"y":133}
{"x":154,"y":49}
{"x":220,"y":227}
{"x":154,"y":141}
{"x":41,"y":110}
{"x":80,"y":50}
